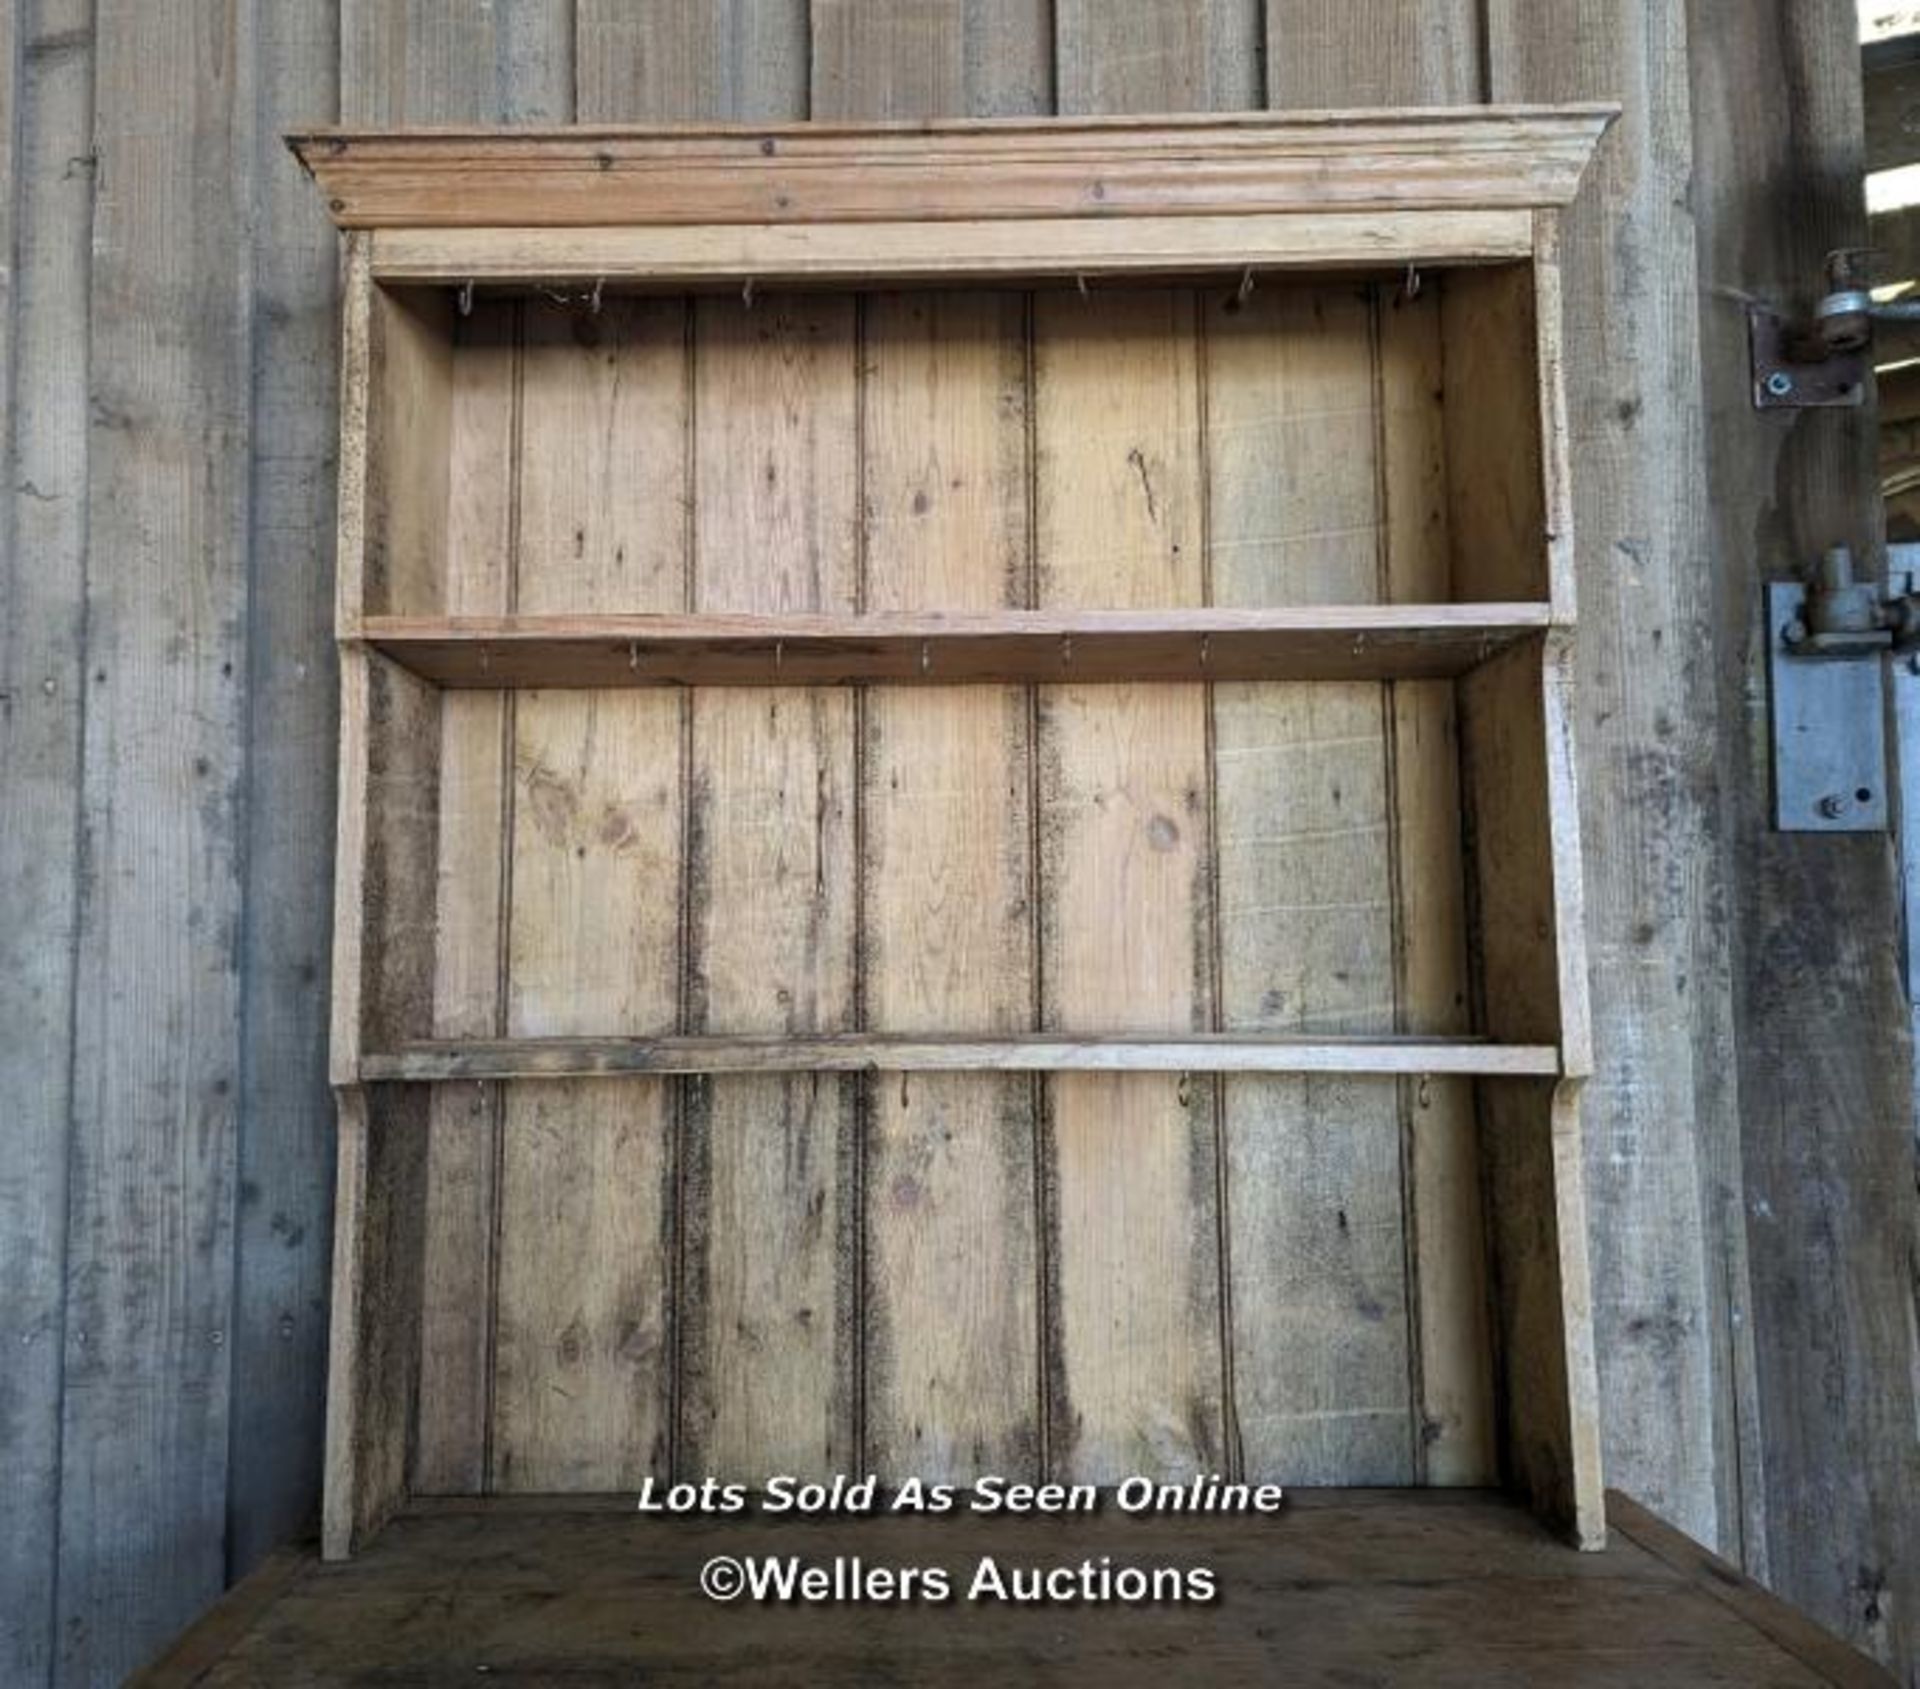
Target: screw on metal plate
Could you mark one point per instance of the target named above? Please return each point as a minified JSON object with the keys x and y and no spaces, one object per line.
{"x":1824,"y":665}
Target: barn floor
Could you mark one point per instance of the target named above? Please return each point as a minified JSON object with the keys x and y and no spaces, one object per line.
{"x":1349,"y":1588}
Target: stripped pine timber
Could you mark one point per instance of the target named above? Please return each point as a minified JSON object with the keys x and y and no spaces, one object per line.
{"x":402,"y":568}
{"x":382,"y":966}
{"x":1094,"y":167}
{"x":459,"y":1313}
{"x":948,"y":645}
{"x":379,"y":1207}
{"x":950,"y":1267}
{"x":952,"y":1354}
{"x":1385,"y":52}
{"x":1453,"y":1397}
{"x":661,"y":499}
{"x":1059,"y":249}
{"x":152,"y":1135}
{"x":47,"y":108}
{"x":1125,"y":900}
{"x":1301,"y":795}
{"x":1344,"y":1586}
{"x":1226,"y":1052}
{"x":1496,"y":480}
{"x":769,"y":1351}
{"x":1522,"y":813}
{"x":581,"y":1382}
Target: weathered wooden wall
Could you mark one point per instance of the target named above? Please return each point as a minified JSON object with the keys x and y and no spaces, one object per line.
{"x":167,"y":700}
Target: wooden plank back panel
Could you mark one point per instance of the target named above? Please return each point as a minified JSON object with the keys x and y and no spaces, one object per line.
{"x":1125,"y":899}
{"x":1451,"y":1362}
{"x":1301,"y":790}
{"x":1387,"y":52}
{"x":582,"y":1385}
{"x":951,"y":1286}
{"x":772,"y":902}
{"x":458,"y":1276}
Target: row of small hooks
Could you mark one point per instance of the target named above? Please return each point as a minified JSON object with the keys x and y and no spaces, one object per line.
{"x":592,"y":298}
{"x":589,"y":299}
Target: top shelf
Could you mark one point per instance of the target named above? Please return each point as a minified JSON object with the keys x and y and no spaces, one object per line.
{"x":1344,"y":642}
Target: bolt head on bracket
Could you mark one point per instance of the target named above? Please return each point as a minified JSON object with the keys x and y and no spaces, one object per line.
{"x":1792,"y":371}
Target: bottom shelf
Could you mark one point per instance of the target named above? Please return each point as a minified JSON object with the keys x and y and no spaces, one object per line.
{"x":549,"y":1058}
{"x":1368,"y":1586}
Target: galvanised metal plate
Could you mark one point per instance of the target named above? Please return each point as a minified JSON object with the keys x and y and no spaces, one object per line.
{"x":1829,"y":732}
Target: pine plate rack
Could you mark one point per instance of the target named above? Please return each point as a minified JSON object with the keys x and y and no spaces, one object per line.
{"x":864,"y":646}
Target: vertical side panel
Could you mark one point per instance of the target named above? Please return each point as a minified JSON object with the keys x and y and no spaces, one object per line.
{"x":409,"y":398}
{"x":1125,"y":900}
{"x":1517,"y":773}
{"x":950,"y":1318}
{"x":1307,"y":932}
{"x":157,"y":1029}
{"x":286,"y":1172}
{"x":582,"y":1384}
{"x":374,"y":1343}
{"x":47,"y":113}
{"x":1542,"y":1315}
{"x":1496,"y":482}
{"x":772,"y":1209}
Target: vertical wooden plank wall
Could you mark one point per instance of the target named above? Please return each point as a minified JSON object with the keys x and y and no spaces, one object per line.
{"x":152,"y":1154}
{"x":279,"y":1341}
{"x":47,"y":75}
{"x":1824,"y":1104}
{"x":167,"y":725}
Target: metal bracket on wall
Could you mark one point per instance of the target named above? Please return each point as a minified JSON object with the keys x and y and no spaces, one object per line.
{"x":1829,"y":729}
{"x":1794,"y":371}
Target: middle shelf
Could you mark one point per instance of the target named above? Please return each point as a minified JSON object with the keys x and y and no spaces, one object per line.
{"x":1218,"y":1052}
{"x":1340,"y":642}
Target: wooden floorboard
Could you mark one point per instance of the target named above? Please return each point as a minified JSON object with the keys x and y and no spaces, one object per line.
{"x":1342,"y":1587}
